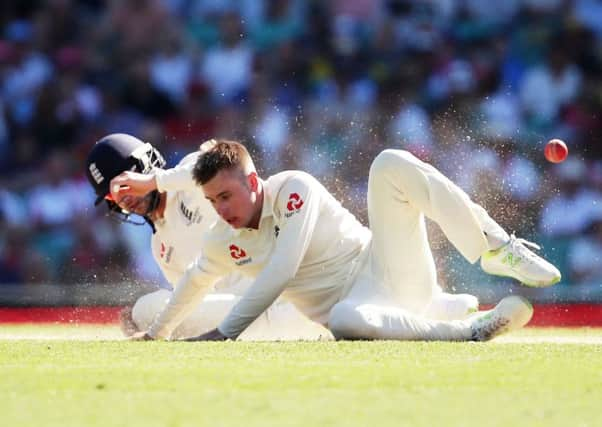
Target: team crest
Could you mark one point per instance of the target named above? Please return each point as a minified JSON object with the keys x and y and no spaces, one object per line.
{"x":294,"y":205}
{"x":239,"y":255}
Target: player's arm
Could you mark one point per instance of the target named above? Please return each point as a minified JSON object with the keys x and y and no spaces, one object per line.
{"x":171,"y":272}
{"x":212,"y":335}
{"x":178,"y":178}
{"x":296,"y":230}
{"x":130,"y":183}
{"x":196,"y":282}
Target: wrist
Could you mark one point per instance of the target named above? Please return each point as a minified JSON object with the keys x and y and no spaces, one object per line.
{"x":151,"y":183}
{"x":159,"y":178}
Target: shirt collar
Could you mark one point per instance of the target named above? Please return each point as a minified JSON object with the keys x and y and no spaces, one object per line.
{"x":266,"y":209}
{"x":268,"y":201}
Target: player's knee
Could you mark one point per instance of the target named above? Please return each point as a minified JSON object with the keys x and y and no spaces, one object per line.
{"x":391,"y":160}
{"x":148,"y":306}
{"x":339,"y":320}
{"x":346,"y":322}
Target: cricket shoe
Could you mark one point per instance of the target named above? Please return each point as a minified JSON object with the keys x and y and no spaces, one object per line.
{"x":516,"y":260}
{"x":446,"y":306}
{"x":510,"y":314}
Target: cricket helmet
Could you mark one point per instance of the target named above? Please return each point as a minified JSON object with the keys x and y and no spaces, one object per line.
{"x":117,"y":153}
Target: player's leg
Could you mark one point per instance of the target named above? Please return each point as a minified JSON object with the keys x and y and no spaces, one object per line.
{"x":282,"y":321}
{"x":401,"y":254}
{"x":445,"y":306}
{"x":399,"y":182}
{"x":351,"y":320}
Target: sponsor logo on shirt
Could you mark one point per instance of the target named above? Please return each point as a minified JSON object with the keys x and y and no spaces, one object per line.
{"x":239,"y":255}
{"x":295,"y":202}
{"x":192,"y":216}
{"x":165,"y":253}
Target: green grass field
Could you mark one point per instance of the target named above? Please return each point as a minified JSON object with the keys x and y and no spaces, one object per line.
{"x":83,"y":376}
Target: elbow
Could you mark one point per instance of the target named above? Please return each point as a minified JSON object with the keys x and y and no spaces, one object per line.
{"x":286,"y":278}
{"x":286,"y":271}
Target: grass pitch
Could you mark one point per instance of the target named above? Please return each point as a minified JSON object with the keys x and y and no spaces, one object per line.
{"x":61,"y":376}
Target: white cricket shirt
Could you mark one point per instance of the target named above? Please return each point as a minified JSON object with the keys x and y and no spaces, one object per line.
{"x":177,"y":240}
{"x":307,"y":248}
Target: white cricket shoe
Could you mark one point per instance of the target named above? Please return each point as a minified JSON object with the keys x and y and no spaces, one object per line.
{"x":516,"y":260}
{"x":510,"y":314}
{"x":446,"y":306}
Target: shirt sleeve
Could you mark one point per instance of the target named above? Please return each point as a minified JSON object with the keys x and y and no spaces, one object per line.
{"x":178,"y":178}
{"x":196,"y":282}
{"x":171,"y":275}
{"x":296,"y":211}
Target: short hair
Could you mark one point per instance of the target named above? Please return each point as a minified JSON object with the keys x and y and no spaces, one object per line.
{"x":219,"y":154}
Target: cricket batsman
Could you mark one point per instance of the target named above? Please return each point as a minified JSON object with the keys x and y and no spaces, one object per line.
{"x":178,"y":220}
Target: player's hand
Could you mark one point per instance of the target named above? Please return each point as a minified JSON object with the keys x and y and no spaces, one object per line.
{"x":134,"y":184}
{"x":141,"y":336}
{"x":213,"y":335}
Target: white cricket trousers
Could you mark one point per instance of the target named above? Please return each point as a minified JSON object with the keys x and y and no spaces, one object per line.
{"x":399,"y":278}
{"x":281,"y":322}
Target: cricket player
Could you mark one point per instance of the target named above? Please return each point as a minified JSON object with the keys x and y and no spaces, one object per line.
{"x":178,"y":219}
{"x":298,"y":242}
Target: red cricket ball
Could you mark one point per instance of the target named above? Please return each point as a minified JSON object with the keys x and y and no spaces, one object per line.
{"x":556,"y":151}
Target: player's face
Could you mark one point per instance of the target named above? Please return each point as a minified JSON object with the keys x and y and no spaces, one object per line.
{"x":234,"y":197}
{"x":134,"y":204}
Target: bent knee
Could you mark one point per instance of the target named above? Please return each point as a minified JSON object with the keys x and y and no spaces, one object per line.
{"x":392,"y":160}
{"x":339,"y":320}
{"x":148,"y":306}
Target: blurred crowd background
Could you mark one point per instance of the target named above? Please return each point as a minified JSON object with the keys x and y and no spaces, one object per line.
{"x":472,"y":86}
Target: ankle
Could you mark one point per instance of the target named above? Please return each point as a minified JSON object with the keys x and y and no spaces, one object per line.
{"x":496,"y":242}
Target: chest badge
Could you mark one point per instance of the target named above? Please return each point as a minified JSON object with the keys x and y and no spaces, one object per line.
{"x":295,"y":202}
{"x":239,"y":255}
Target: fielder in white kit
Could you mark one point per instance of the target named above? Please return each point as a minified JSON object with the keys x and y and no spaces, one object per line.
{"x":296,"y":240}
{"x":178,"y":219}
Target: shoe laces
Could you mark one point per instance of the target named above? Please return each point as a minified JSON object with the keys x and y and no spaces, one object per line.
{"x":521,"y":247}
